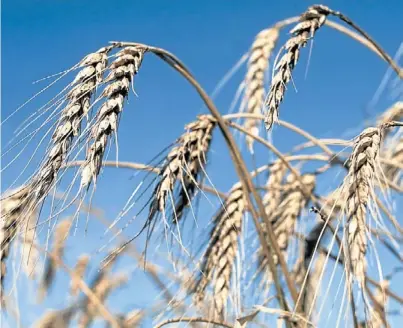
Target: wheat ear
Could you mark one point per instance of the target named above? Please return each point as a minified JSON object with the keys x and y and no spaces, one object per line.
{"x":79,"y":100}
{"x":11,"y":209}
{"x":287,"y":212}
{"x":79,"y":271}
{"x":220,"y":255}
{"x":396,"y":155}
{"x":311,"y":21}
{"x":122,"y":71}
{"x":183,"y":164}
{"x":274,"y":183}
{"x":56,"y":319}
{"x":258,"y":64}
{"x":101,"y":290}
{"x":358,"y":185}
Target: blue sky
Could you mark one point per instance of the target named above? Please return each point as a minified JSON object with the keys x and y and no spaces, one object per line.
{"x":40,"y":38}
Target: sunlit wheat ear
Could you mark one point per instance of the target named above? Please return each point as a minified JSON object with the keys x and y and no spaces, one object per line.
{"x":393,"y":113}
{"x":395,"y":153}
{"x":79,"y":272}
{"x":218,"y":260}
{"x":311,"y":21}
{"x":11,"y":206}
{"x":285,"y":216}
{"x":274,"y":184}
{"x":358,"y":184}
{"x":69,"y":125}
{"x":59,"y":241}
{"x":56,"y":319}
{"x":122,"y":71}
{"x":101,"y":290}
{"x":258,"y":64}
{"x":183,"y":166}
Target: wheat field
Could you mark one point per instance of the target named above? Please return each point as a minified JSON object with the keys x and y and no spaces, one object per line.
{"x":244,"y":217}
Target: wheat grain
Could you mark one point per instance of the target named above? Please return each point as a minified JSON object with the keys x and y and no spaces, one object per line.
{"x":123,"y":69}
{"x":79,"y":271}
{"x":258,"y":64}
{"x":311,"y":21}
{"x":183,"y":164}
{"x":358,"y":184}
{"x":220,"y":255}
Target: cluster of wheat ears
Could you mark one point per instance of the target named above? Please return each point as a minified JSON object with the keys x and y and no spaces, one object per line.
{"x":309,"y":253}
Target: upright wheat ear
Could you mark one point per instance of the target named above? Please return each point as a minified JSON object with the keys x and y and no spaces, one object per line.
{"x":358,"y":184}
{"x":258,"y":65}
{"x":183,"y":164}
{"x":11,"y":217}
{"x":311,"y":21}
{"x":123,"y":69}
{"x":220,"y":255}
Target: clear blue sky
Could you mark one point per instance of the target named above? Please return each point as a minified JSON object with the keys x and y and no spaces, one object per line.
{"x":40,"y":38}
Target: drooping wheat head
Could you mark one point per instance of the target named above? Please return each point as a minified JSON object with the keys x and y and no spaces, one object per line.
{"x":358,"y":184}
{"x":258,"y":64}
{"x":184,"y":165}
{"x":122,"y":71}
{"x":311,"y":21}
{"x":218,"y":260}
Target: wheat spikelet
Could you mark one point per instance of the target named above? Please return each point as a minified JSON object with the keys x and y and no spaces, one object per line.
{"x":101,"y":289}
{"x":123,"y":69}
{"x":79,"y":271}
{"x":183,"y":164}
{"x":258,"y":64}
{"x":357,"y":185}
{"x":59,"y":237}
{"x":220,"y":255}
{"x":311,"y":21}
{"x":11,"y":217}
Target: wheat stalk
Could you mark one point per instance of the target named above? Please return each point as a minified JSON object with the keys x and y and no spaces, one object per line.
{"x":219,"y":257}
{"x":311,"y":21}
{"x":183,"y":164}
{"x":358,"y":184}
{"x":258,"y":64}
{"x":122,"y":71}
